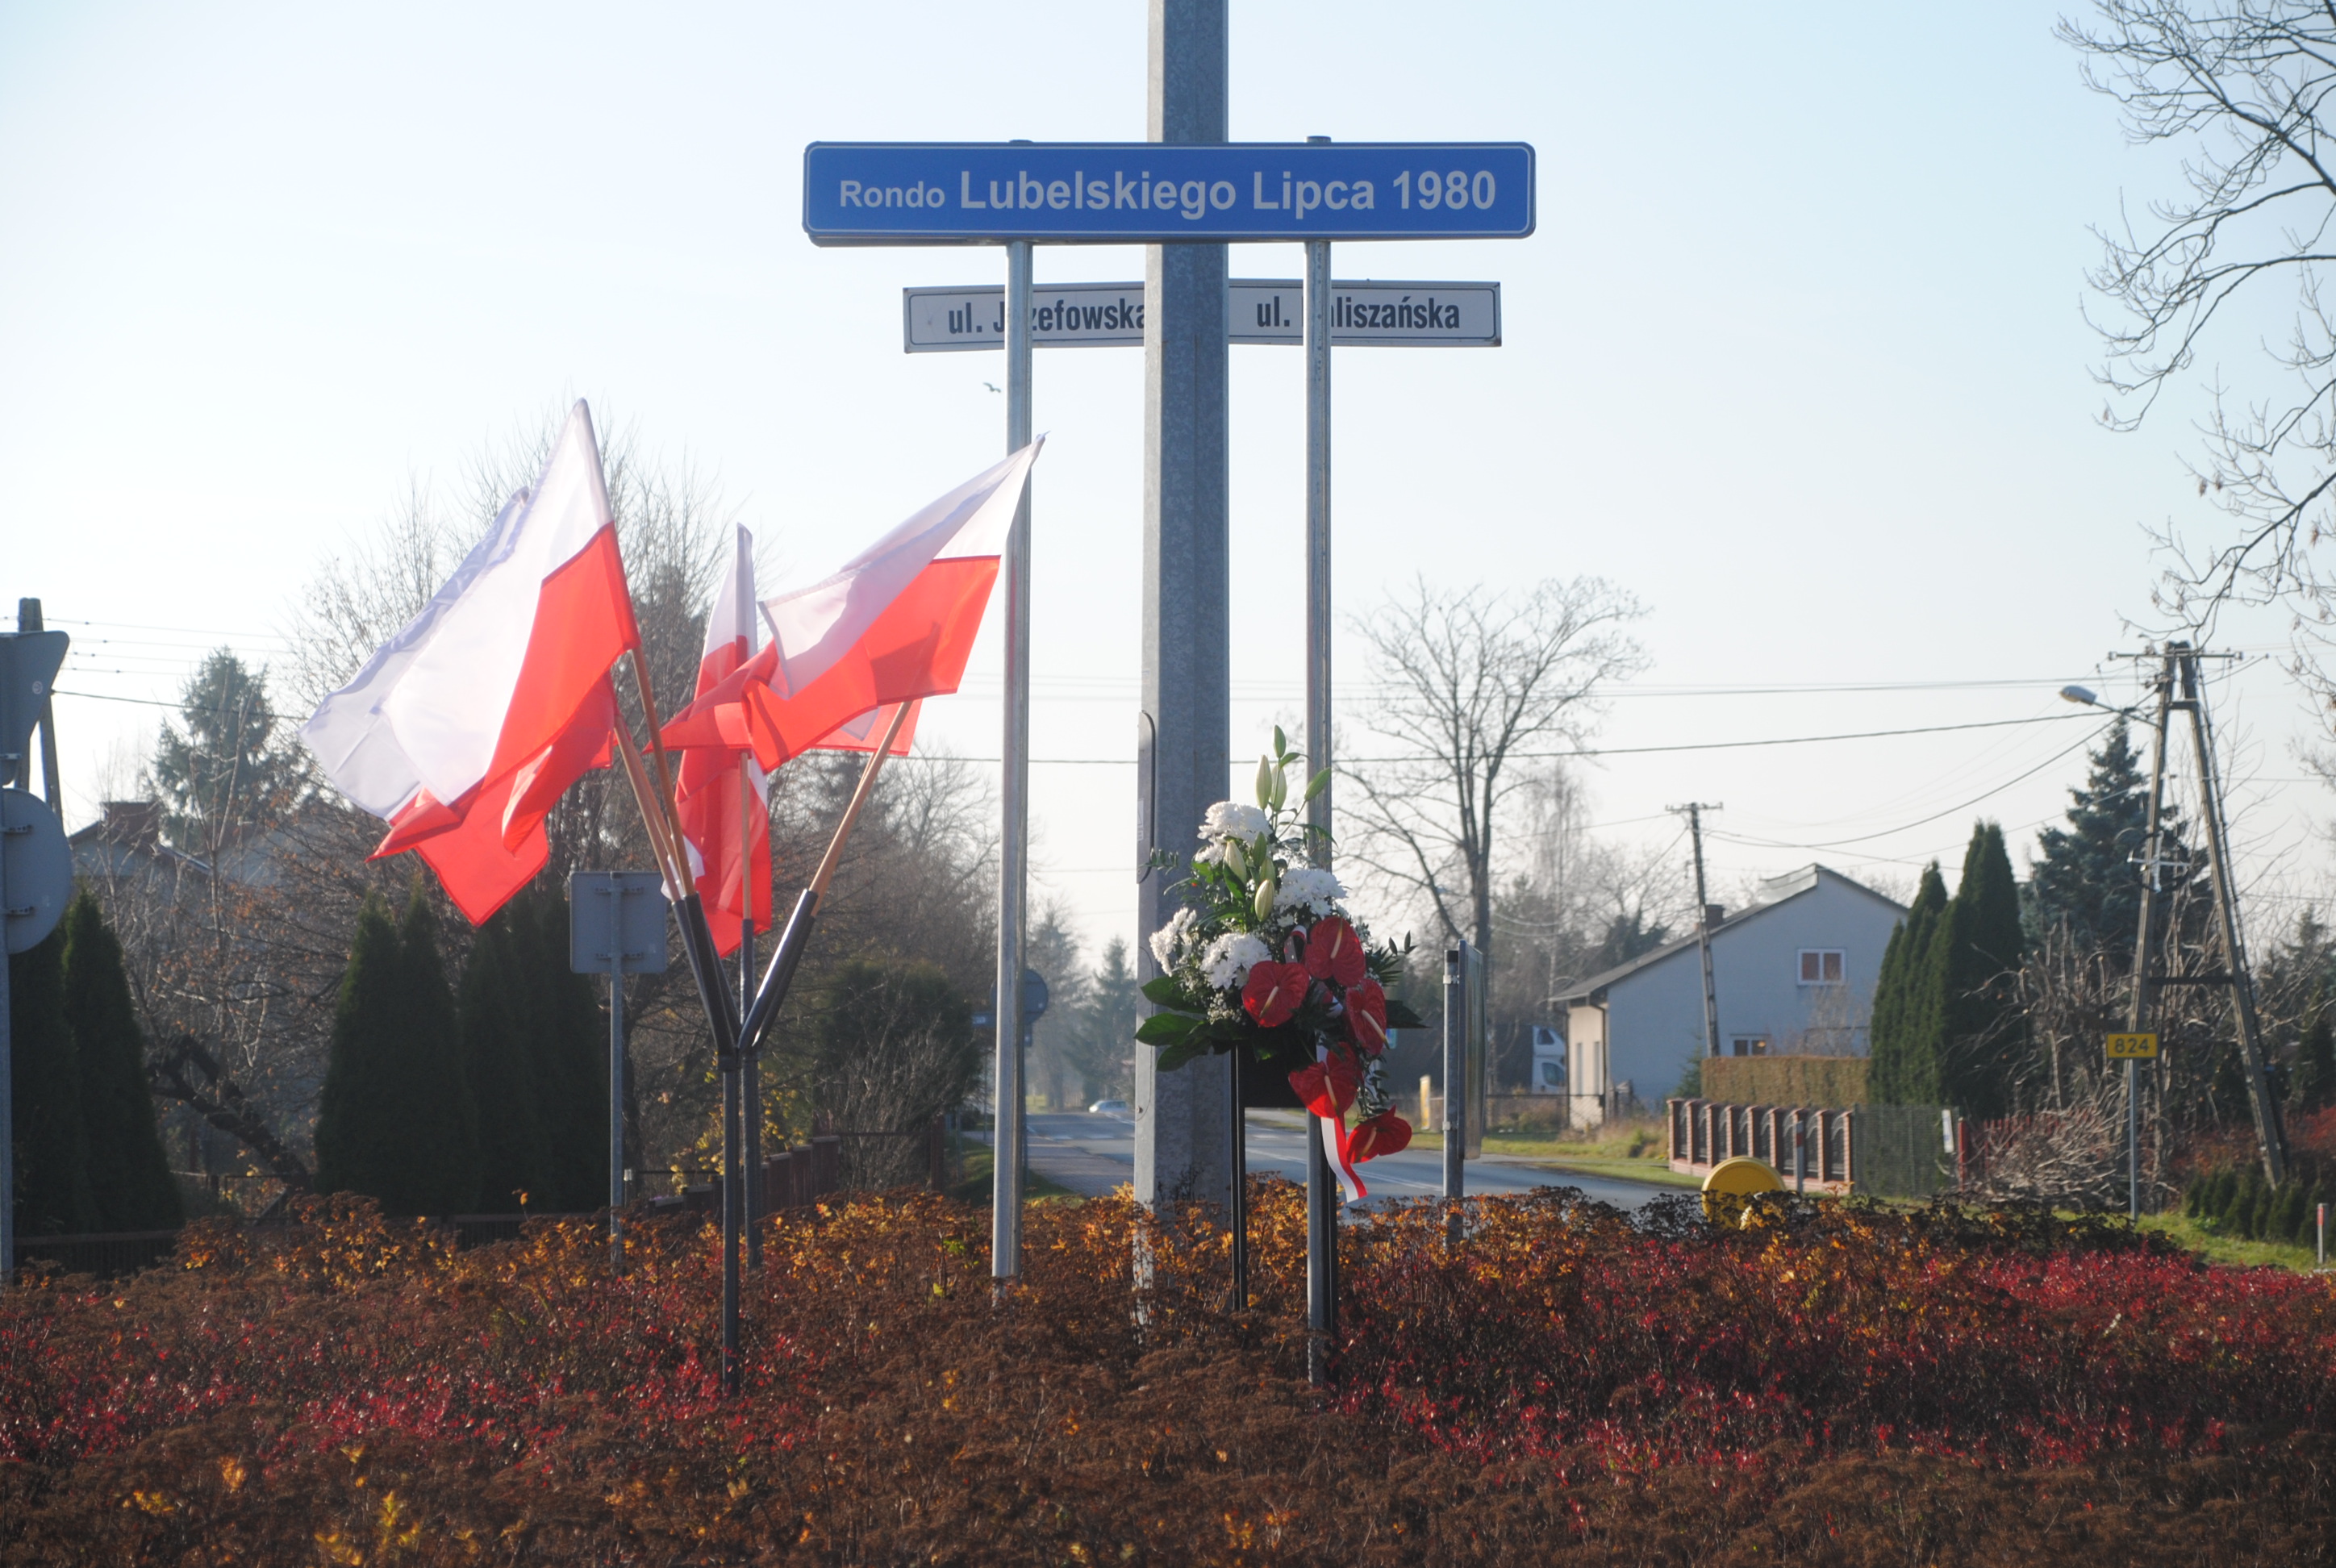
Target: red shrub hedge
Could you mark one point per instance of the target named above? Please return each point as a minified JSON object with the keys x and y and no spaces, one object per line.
{"x":1830,"y":1386}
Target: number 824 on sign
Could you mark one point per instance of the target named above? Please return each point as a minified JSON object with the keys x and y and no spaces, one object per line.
{"x":2133,"y":1047}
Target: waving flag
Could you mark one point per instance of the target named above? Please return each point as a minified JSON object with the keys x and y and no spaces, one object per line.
{"x":715,"y":810}
{"x":465,"y":729}
{"x":895,"y":623}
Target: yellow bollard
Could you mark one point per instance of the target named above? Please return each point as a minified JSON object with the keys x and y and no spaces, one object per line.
{"x":1728,"y":1189}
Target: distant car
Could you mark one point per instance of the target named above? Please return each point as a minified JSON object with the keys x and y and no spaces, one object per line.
{"x":1108,"y":1108}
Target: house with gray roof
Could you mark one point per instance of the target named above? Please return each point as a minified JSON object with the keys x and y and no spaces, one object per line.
{"x":1793,"y":974}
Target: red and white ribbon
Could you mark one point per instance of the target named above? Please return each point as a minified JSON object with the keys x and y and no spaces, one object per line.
{"x":1333,"y":1130}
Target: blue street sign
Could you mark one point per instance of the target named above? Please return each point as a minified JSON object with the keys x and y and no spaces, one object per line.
{"x":1146,"y":193}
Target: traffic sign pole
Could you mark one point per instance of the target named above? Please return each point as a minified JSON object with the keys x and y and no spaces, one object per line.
{"x":2133,"y":1048}
{"x":1322,"y":1195}
{"x":616,"y":927}
{"x":1014,"y":791}
{"x":7,"y":1088}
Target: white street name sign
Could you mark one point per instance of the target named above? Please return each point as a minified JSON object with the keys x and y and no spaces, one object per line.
{"x":1259,"y":310}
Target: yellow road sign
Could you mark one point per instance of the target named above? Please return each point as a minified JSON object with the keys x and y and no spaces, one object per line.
{"x":2133,"y":1047}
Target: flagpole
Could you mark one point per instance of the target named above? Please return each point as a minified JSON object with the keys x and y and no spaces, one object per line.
{"x":687,"y":885}
{"x":750,"y":1071}
{"x":620,"y":739}
{"x":780,"y":974}
{"x":721,"y":1017}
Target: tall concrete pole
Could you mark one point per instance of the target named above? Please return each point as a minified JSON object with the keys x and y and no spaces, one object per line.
{"x":2260,"y":1098}
{"x":1185,"y":732}
{"x":2145,"y":940}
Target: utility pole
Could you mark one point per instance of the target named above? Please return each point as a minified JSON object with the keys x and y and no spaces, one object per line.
{"x":2268,"y":1131}
{"x":2138,"y":1009}
{"x":2179,"y":687}
{"x":1694,"y":810}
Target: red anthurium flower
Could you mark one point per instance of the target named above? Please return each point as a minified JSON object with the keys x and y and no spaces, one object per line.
{"x":1273,"y":992}
{"x":1333,"y":952}
{"x":1327,"y":1087}
{"x":1384,"y":1133}
{"x":1367,"y":1017}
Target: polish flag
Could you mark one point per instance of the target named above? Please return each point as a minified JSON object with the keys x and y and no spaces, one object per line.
{"x":465,"y":729}
{"x":715,"y":808}
{"x":895,"y":623}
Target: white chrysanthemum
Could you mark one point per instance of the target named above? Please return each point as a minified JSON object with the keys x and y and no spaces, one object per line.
{"x":1308,"y":890}
{"x":1168,"y":943}
{"x":1232,"y":820}
{"x":1227,"y":960}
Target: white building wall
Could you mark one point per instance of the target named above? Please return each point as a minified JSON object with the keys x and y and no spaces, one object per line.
{"x":1654,"y":1017}
{"x":1585,"y":1066}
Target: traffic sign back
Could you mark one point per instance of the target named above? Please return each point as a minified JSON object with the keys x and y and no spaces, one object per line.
{"x":615,"y":922}
{"x":29,"y":662}
{"x":35,"y":868}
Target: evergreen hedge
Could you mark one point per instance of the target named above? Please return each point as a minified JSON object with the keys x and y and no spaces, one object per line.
{"x":130,"y":1182}
{"x":1832,"y":1083}
{"x":396,"y":1121}
{"x":514,"y":1156}
{"x":52,"y":1195}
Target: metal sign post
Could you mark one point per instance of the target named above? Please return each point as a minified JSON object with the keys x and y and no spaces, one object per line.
{"x":616,"y":927}
{"x":1465,"y":1039}
{"x":2130,"y":1050}
{"x":1014,"y":791}
{"x":35,"y":862}
{"x":1322,"y":1197}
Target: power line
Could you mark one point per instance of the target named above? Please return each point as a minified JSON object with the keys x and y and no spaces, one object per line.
{"x":1513,"y":756}
{"x":1918,"y":822}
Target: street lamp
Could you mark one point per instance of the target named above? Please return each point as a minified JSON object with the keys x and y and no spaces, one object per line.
{"x":2084,"y":696}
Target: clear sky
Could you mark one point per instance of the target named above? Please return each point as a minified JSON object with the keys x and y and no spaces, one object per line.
{"x":1797,"y":356}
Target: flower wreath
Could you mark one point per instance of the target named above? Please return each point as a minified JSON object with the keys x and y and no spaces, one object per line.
{"x":1265,"y":959}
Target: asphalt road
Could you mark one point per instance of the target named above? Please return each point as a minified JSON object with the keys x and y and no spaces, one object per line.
{"x":1091,"y":1155}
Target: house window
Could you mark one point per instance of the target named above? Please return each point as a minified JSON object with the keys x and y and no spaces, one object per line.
{"x":1820,"y":966}
{"x":1751,"y":1045}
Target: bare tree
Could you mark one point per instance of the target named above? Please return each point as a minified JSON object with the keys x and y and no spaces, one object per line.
{"x":1473,"y":685}
{"x":2240,"y":86}
{"x":1569,"y":904}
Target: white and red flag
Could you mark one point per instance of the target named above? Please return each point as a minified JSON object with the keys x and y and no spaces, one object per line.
{"x":895,"y":623}
{"x":465,"y":729}
{"x":725,"y":828}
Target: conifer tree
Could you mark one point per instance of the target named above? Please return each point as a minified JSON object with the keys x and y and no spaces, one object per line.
{"x":397,"y":1120}
{"x":1904,"y":1070}
{"x":130,"y":1178}
{"x":499,"y":1058}
{"x":2085,"y":877}
{"x":445,"y":1142}
{"x":230,"y":771}
{"x":53,"y":1197}
{"x":570,"y":1036}
{"x":2314,"y":1084}
{"x":1981,"y":1036}
{"x":357,"y":1146}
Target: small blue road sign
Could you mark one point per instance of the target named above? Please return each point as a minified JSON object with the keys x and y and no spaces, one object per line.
{"x":615,"y":922}
{"x":1119,"y":193}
